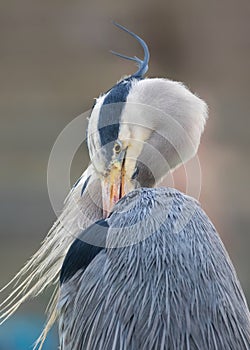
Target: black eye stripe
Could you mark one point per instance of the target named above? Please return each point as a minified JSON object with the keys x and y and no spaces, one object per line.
{"x":109,"y":118}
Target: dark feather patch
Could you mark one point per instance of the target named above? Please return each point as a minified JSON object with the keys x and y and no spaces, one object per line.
{"x":80,"y":254}
{"x":85,"y":185}
{"x":77,"y":182}
{"x":109,"y":119}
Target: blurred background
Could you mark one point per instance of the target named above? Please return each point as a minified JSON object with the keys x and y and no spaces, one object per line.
{"x":55,"y":59}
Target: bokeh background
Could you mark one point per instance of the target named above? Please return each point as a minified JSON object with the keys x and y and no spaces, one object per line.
{"x":55,"y":59}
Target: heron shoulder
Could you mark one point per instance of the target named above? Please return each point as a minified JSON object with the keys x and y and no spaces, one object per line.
{"x":167,"y":271}
{"x":84,"y":249}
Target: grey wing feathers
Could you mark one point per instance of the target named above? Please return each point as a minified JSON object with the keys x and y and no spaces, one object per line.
{"x":175,"y":289}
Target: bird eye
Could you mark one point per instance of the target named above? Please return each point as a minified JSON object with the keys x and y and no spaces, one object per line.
{"x":117,"y":148}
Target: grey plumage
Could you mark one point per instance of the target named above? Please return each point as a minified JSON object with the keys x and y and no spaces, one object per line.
{"x":163,"y":279}
{"x":175,"y":289}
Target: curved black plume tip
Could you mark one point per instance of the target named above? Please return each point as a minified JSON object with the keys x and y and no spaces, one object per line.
{"x":142,"y":64}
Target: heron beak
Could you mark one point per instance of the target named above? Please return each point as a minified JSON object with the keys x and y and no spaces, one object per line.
{"x":113,"y":187}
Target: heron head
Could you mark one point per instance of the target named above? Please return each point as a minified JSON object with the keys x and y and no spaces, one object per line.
{"x":140,"y":129}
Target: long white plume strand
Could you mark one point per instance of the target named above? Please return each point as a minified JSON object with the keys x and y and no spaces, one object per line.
{"x":82,"y":209}
{"x":43,"y":268}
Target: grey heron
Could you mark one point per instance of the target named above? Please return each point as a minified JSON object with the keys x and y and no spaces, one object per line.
{"x":140,"y":267}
